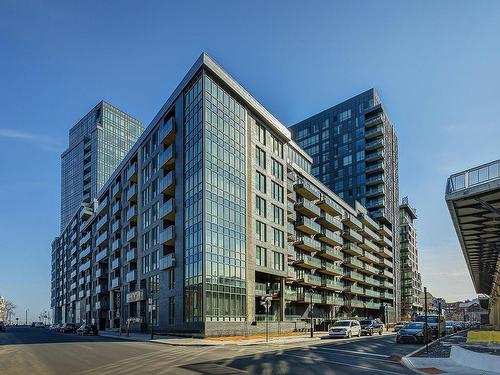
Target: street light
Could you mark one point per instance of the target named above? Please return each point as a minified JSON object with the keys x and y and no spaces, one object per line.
{"x":311,"y":291}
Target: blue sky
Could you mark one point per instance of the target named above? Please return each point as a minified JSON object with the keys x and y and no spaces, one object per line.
{"x":435,"y":64}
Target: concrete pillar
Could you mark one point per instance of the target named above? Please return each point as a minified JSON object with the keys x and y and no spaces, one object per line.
{"x":282,"y":299}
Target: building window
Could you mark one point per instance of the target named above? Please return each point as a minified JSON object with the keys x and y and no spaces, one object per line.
{"x":260,"y":206}
{"x":277,"y":191}
{"x":278,"y":215}
{"x":260,"y":182}
{"x":277,"y":147}
{"x":261,"y":157}
{"x":261,"y":133}
{"x":171,"y":278}
{"x":278,"y":261}
{"x":154,"y":283}
{"x":260,"y":231}
{"x":146,"y":263}
{"x":277,"y":169}
{"x":171,"y":310}
{"x":261,"y":256}
{"x":278,"y":238}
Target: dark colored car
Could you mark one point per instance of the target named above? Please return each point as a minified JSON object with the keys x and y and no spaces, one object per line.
{"x":87,"y":329}
{"x":414,"y":332}
{"x":68,"y":328}
{"x":2,"y":327}
{"x":435,"y":322}
{"x":369,"y":327}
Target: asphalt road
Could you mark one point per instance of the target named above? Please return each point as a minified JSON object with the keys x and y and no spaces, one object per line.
{"x":40,"y":351}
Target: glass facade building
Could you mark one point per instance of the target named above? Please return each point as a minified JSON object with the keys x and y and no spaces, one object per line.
{"x":97,"y":144}
{"x":354,"y":149}
{"x":212,"y":208}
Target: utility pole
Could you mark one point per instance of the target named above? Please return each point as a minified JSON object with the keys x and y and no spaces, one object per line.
{"x":425,"y":324}
{"x":312,"y":309}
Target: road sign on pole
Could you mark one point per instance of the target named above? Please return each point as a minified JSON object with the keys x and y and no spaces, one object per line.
{"x":266,"y":302}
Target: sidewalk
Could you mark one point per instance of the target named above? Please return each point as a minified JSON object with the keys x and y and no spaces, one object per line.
{"x":443,"y":358}
{"x":221,"y":341}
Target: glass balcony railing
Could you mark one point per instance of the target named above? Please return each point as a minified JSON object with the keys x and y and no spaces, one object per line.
{"x":473,"y":177}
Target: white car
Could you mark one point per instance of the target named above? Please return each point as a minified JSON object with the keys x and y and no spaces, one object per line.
{"x":345,"y":328}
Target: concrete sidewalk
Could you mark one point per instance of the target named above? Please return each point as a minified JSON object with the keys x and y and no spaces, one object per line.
{"x":221,"y":341}
{"x":423,"y":365}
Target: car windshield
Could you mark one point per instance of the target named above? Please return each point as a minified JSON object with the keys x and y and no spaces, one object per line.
{"x":365,"y":322}
{"x":414,"y":325}
{"x":342,"y":323}
{"x":430,"y":319}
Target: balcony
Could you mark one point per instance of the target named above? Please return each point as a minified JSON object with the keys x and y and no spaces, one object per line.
{"x":375,"y":203}
{"x":103,"y":237}
{"x":353,"y":276}
{"x":306,"y":225}
{"x":73,"y":262}
{"x":307,"y":261}
{"x":168,"y":261}
{"x":372,"y":305}
{"x":375,"y":167}
{"x":102,"y":305}
{"x":376,"y":120}
{"x":368,"y":245}
{"x":386,"y":274}
{"x":101,"y":288}
{"x":73,"y":274}
{"x":350,"y":221}
{"x":330,"y":238}
{"x":370,"y":270}
{"x":384,"y":241}
{"x":354,"y":289}
{"x":167,"y":210}
{"x":131,"y":234}
{"x":132,"y":192}
{"x":85,"y":239}
{"x":132,"y":214}
{"x":167,"y":157}
{"x":374,"y":144}
{"x":115,"y":226}
{"x":307,"y":243}
{"x":370,"y":234}
{"x":73,"y":250}
{"x":115,"y":283}
{"x":375,"y":180}
{"x":81,"y":294}
{"x":115,"y":245}
{"x":372,"y":293}
{"x":308,"y":209}
{"x":85,"y":252}
{"x":371,"y":281}
{"x":383,"y":229}
{"x":352,"y":249}
{"x":115,"y":208}
{"x":354,"y":263}
{"x":385,"y":263}
{"x":102,"y":222}
{"x":115,"y":264}
{"x":331,"y":284}
{"x":84,"y":267}
{"x":329,"y":205}
{"x":72,"y":298}
{"x":331,"y":300}
{"x":131,"y":276}
{"x":131,"y":254}
{"x":310,"y":279}
{"x":101,"y":273}
{"x":330,"y":222}
{"x":352,"y":235}
{"x":374,"y":155}
{"x":85,"y":213}
{"x":331,"y":253}
{"x":374,"y":132}
{"x":386,"y":284}
{"x":132,"y":172}
{"x":291,"y":295}
{"x":166,"y":134}
{"x":307,"y":190}
{"x":72,"y":286}
{"x":386,"y":295}
{"x":167,"y":183}
{"x":115,"y":190}
{"x":331,"y":269}
{"x":101,"y":255}
{"x":385,"y":252}
{"x":103,"y":206}
{"x":310,"y":297}
{"x":167,"y":236}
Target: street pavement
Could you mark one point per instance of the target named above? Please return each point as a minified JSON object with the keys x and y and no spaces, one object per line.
{"x":26,"y":350}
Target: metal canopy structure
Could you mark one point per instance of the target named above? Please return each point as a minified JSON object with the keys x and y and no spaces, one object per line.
{"x":473,"y":198}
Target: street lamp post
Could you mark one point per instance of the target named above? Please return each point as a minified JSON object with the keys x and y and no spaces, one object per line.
{"x":311,"y":291}
{"x":426,"y":326}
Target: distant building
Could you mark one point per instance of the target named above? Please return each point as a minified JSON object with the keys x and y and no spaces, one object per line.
{"x":434,"y":304}
{"x":472,"y":310}
{"x":411,"y":282}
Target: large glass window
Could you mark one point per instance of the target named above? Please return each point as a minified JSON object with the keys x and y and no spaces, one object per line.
{"x":260,"y":206}
{"x":261,"y":157}
{"x":261,"y":256}
{"x":260,"y":231}
{"x":260,"y":182}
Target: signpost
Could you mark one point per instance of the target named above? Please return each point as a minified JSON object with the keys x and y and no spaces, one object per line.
{"x":266,"y":302}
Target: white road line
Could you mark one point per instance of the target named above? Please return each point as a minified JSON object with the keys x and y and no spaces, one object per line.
{"x":371,"y":369}
{"x":351,"y":351}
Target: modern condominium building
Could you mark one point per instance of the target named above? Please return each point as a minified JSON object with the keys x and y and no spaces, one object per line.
{"x":213,"y":208}
{"x":354,"y":149}
{"x":411,"y":282}
{"x":97,"y":144}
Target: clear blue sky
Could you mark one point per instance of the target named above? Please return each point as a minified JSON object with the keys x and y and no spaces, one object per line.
{"x":435,"y":64}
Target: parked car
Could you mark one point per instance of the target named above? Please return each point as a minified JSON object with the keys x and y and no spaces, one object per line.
{"x":345,"y":328}
{"x":33,"y":324}
{"x":435,"y":322}
{"x":450,"y":327}
{"x":87,"y":329}
{"x":371,"y":326}
{"x":55,"y":327}
{"x":414,"y":332}
{"x":39,"y":325}
{"x":68,"y":328}
{"x":398,"y":326}
{"x":2,"y":326}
